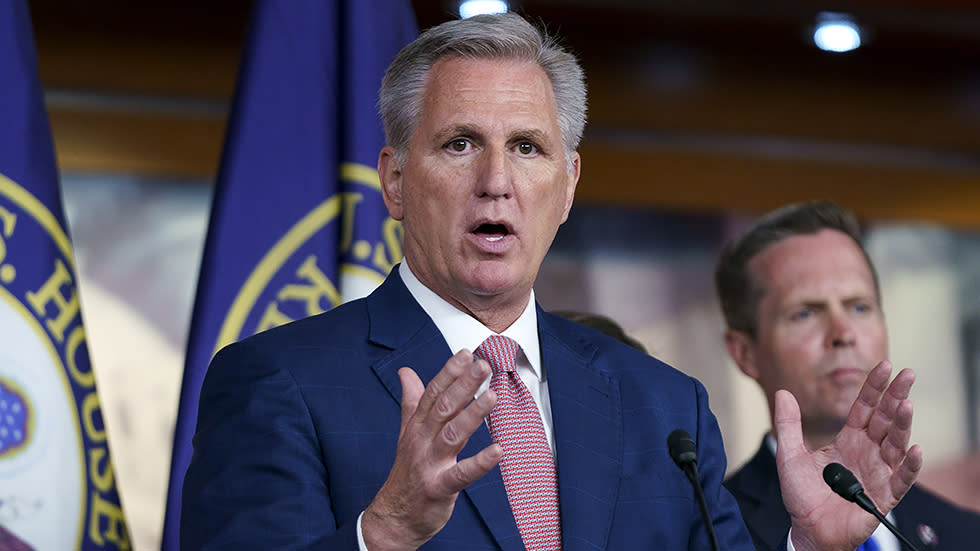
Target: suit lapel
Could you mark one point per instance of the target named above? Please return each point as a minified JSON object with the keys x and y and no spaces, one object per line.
{"x":489,"y":497}
{"x":912,"y":521}
{"x":399,"y":324}
{"x":587,"y":419}
{"x":405,"y":335}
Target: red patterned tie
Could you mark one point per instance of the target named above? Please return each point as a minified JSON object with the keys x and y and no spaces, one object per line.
{"x":527,"y":466}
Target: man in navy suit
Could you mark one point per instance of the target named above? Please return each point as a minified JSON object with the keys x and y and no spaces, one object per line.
{"x":366,"y":427}
{"x":801,"y":300}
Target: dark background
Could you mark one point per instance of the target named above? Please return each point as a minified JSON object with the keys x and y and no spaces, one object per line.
{"x":699,"y":106}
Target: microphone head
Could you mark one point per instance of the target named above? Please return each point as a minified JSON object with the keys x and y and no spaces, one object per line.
{"x":842,"y":481}
{"x":682,"y":448}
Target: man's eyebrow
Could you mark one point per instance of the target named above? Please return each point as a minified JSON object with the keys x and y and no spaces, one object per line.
{"x":457,"y":130}
{"x":535,"y":135}
{"x":531,"y":134}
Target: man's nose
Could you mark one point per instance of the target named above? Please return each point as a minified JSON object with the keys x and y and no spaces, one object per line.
{"x":496,"y":174}
{"x":841,"y":331}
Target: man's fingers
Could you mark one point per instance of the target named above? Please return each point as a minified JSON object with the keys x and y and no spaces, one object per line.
{"x":412,"y":390}
{"x":469,"y":470}
{"x":907,"y":472}
{"x":449,"y":391}
{"x":454,"y":398}
{"x":437,"y":414}
{"x":884,"y":416}
{"x":893,"y":448}
{"x":443,"y":380}
{"x":456,"y":432}
{"x":869,"y":396}
{"x":787,"y":425}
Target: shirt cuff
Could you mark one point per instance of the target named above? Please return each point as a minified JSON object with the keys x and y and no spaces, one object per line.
{"x":363,"y":547}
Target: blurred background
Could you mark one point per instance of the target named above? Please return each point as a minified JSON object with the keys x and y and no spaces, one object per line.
{"x":702,"y":115}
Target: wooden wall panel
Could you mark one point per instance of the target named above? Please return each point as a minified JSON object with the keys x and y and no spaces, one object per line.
{"x":718,"y":182}
{"x":137,"y":143}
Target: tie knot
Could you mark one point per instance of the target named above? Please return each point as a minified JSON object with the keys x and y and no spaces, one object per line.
{"x":500,"y":352}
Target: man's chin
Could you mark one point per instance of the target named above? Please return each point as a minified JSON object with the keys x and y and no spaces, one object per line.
{"x":490,"y":290}
{"x":494,"y":278}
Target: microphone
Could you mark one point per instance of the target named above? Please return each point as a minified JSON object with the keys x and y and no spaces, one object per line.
{"x":844,"y":484}
{"x":683,"y":451}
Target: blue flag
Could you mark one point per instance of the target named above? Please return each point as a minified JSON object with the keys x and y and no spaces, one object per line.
{"x":298,"y":224}
{"x":57,"y":489}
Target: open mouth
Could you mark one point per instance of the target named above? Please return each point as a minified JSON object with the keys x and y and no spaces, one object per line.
{"x":492,"y":231}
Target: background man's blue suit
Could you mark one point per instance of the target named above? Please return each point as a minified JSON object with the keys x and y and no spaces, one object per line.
{"x":756,"y":487}
{"x":298,"y":427}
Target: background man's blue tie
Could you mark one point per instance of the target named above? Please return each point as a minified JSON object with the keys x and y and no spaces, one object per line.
{"x":869,"y":545}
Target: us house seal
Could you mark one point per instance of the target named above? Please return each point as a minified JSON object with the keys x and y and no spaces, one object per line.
{"x":57,"y":488}
{"x":349,"y":233}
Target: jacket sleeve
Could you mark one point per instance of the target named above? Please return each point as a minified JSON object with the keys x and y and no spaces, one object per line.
{"x":257,"y":479}
{"x":729,"y":527}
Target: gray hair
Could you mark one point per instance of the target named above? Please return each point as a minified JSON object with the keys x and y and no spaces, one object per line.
{"x":739,"y":292}
{"x":500,"y":36}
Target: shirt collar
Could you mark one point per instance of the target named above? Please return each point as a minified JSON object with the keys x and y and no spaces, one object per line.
{"x":464,"y":331}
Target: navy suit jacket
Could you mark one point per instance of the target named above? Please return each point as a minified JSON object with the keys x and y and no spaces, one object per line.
{"x":924,"y":518}
{"x":298,"y":427}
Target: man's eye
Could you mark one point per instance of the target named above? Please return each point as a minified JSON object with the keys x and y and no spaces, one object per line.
{"x":526,"y":148}
{"x":801,"y":315}
{"x":458,"y":146}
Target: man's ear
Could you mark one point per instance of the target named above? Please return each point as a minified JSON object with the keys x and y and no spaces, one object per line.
{"x":572,"y":183}
{"x":390,"y":174}
{"x":741,"y":348}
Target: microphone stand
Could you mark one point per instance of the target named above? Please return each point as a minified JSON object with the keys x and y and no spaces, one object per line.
{"x":683,"y":451}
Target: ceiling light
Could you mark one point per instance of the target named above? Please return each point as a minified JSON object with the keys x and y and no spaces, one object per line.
{"x":469,"y":8}
{"x":836,"y":32}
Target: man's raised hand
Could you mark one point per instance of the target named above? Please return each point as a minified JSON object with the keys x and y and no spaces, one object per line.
{"x":873,"y":444}
{"x":418,"y":497}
